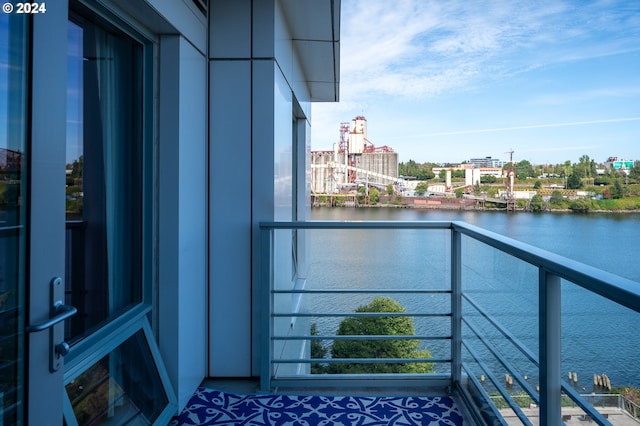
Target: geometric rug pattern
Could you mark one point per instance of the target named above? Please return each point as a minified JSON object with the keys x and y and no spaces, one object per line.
{"x":214,"y":407}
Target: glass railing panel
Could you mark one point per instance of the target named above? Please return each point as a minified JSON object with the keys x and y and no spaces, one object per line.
{"x":403,"y":271}
{"x":417,"y":266}
{"x":600,"y":340}
{"x":500,"y":327}
{"x":380,"y":258}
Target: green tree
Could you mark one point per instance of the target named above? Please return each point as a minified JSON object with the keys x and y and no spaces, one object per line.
{"x":574,"y":181}
{"x":488,"y":179}
{"x":419,"y":171}
{"x":425,"y":172}
{"x":557,"y":200}
{"x":382,"y":326}
{"x":317,"y":351}
{"x":77,"y":167}
{"x":617,"y":191}
{"x":421,"y":188}
{"x":537,"y":203}
{"x":634,"y":173}
{"x":410,"y":168}
{"x":582,"y":168}
{"x":580,"y":205}
{"x":524,"y":169}
{"x":537,"y":184}
{"x":390,"y":190}
{"x":374,"y":194}
{"x":476,"y":188}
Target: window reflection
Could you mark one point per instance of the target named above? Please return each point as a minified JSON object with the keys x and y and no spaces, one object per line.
{"x":104,"y":174}
{"x":13,"y":208}
{"x":121,"y":388}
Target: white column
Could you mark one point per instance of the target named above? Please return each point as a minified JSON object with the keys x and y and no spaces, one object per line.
{"x":182,"y":266}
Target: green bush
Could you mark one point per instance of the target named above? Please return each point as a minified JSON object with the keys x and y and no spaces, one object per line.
{"x":630,"y":203}
{"x":537,"y":203}
{"x":317,"y":351}
{"x":580,"y":205}
{"x":379,"y":325}
{"x":557,"y":201}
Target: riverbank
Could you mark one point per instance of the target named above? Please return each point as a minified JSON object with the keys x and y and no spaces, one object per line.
{"x":469,"y":204}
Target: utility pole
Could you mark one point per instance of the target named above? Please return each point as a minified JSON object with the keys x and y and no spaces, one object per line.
{"x":511,"y":205}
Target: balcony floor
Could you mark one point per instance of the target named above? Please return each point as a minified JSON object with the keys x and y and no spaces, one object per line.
{"x":238,"y":402}
{"x":236,"y":387}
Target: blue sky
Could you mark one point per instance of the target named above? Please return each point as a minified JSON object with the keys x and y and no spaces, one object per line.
{"x":445,"y":81}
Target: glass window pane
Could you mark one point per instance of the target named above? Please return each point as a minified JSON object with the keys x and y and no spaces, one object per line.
{"x":13,"y":209}
{"x":104,"y":174}
{"x":122,"y":388}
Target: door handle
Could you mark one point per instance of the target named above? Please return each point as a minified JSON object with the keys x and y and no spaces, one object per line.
{"x":62,"y":312}
{"x":59,"y":312}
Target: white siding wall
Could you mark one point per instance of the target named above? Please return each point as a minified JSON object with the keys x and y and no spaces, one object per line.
{"x":182,"y":198}
{"x":230,"y":218}
{"x":251,"y":158}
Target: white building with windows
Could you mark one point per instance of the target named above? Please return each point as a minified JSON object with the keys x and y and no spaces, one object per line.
{"x":133,"y":271}
{"x":486,"y":162}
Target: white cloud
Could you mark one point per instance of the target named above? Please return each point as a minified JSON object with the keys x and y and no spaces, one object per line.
{"x":420,"y":48}
{"x":530,"y":127}
{"x":586,"y":95}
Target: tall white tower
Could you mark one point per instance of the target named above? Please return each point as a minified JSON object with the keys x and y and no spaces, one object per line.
{"x":358,"y":135}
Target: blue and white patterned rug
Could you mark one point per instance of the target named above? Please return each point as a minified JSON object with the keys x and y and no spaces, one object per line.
{"x":213,"y":407}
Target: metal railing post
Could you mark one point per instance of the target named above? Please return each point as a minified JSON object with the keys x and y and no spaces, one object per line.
{"x":456,"y":308}
{"x":549,"y":312}
{"x":266,"y":283}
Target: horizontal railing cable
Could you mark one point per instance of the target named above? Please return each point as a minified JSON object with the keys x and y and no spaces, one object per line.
{"x":363,"y":360}
{"x":496,"y":416}
{"x":362,"y":291}
{"x":505,"y":363}
{"x":355,"y":314}
{"x":363,"y":337}
{"x":498,"y":385}
{"x":508,"y":335}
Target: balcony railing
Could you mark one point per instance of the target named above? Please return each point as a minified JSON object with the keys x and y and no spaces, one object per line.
{"x":479,"y":352}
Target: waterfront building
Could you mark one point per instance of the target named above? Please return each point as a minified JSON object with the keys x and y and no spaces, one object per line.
{"x":486,"y":162}
{"x":354,"y":161}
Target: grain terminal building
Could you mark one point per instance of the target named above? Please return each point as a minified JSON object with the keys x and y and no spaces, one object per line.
{"x":353,"y":161}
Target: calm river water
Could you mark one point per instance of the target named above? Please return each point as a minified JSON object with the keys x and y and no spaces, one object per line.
{"x":598,"y":336}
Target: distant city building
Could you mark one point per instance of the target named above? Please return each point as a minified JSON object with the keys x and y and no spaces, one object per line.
{"x":619,"y":164}
{"x":486,"y":162}
{"x":10,"y":161}
{"x":484,"y":171}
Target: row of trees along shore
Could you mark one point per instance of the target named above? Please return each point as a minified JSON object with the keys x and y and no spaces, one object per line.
{"x":556,"y":185}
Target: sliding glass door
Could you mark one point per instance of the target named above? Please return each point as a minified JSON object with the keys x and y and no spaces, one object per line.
{"x":109,"y":239}
{"x":113,"y":373}
{"x":77,"y":222}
